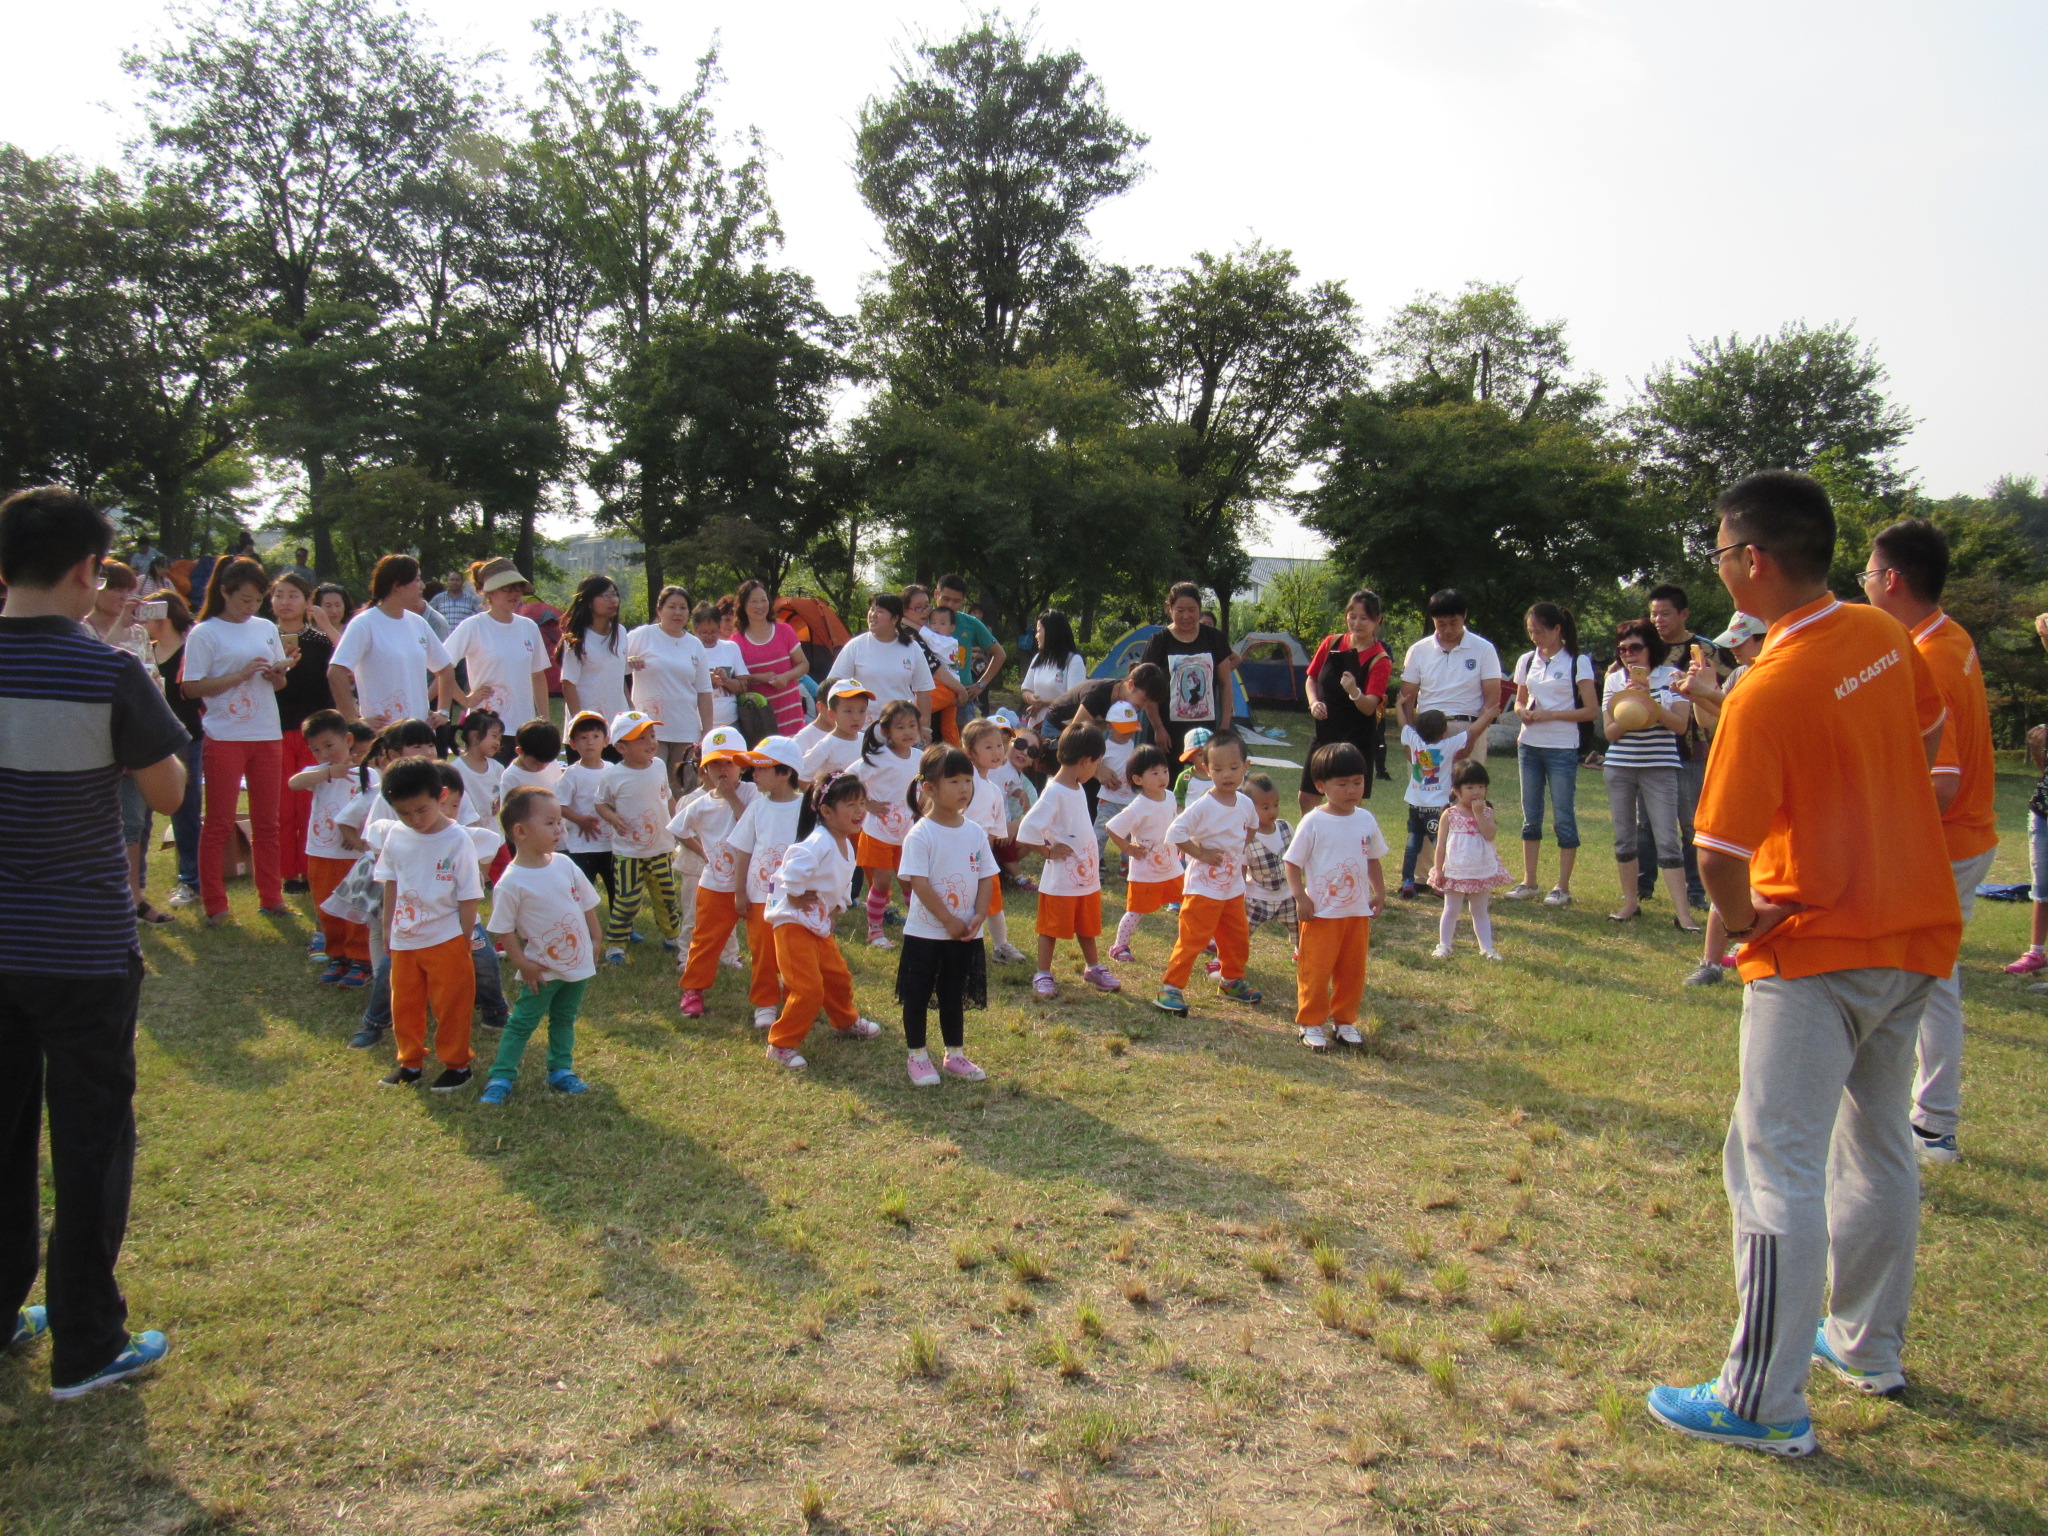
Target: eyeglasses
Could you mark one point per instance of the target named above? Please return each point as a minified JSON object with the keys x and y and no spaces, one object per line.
{"x":1882,"y":570}
{"x":1631,"y":645}
{"x":1729,"y":549}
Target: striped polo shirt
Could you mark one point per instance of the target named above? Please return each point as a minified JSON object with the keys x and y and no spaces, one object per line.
{"x":74,"y":713}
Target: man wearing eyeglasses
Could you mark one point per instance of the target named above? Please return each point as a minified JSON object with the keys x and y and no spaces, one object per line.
{"x":1671,"y":613}
{"x":1821,"y":845}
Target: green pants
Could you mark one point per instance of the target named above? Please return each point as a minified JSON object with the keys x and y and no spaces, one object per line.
{"x":559,"y":1002}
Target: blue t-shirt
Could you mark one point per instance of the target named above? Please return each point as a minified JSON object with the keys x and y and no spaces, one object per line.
{"x":74,"y":713}
{"x":975,"y":640}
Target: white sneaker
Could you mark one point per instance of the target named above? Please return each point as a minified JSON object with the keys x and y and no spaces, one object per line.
{"x":881,"y":941}
{"x":862,"y":1029}
{"x":183,"y":896}
{"x":763,"y":1017}
{"x":732,"y":960}
{"x":1441,"y":952}
{"x":1347,"y":1034}
{"x":1558,"y":898}
{"x":1008,"y":954}
{"x":1493,"y":954}
{"x":1521,"y":892}
{"x":1315,"y":1037}
{"x":783,"y":1056}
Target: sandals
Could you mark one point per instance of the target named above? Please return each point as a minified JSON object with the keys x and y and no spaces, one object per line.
{"x":1624,"y":917}
{"x":145,"y":913}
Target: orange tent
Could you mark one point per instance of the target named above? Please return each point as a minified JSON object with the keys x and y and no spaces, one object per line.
{"x":814,"y":622}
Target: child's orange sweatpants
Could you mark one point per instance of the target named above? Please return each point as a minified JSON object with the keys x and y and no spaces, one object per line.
{"x":1330,"y":975}
{"x":718,"y":913}
{"x":815,"y":975}
{"x":345,"y":940}
{"x":1203,"y":918}
{"x":444,"y":976}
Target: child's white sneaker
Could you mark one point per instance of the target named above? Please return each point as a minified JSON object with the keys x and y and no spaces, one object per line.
{"x":862,"y":1029}
{"x":1441,"y":952}
{"x":783,"y":1056}
{"x":764,"y":1017}
{"x":1315,"y":1036}
{"x":1493,"y":954}
{"x":1008,"y":954}
{"x":1347,"y":1034}
{"x":922,"y":1073}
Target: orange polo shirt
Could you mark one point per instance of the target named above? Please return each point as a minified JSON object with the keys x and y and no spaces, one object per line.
{"x":1818,"y":776}
{"x":1971,"y":821}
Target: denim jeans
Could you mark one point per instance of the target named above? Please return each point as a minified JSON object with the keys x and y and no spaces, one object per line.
{"x":1692,"y":777}
{"x":490,"y":988}
{"x":1557,"y":767}
{"x":1422,"y":825}
{"x":185,"y":819}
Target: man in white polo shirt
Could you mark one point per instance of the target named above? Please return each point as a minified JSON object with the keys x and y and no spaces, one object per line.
{"x":1452,"y":670}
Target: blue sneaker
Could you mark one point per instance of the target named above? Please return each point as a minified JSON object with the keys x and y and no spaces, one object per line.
{"x":1171,"y":1000}
{"x":1700,"y":1413}
{"x":1876,"y":1383}
{"x":1241,"y":991}
{"x":497,"y":1091}
{"x":566,"y":1081}
{"x":30,"y":1324}
{"x":143,"y":1351}
{"x":615,"y":956}
{"x":316,"y":946}
{"x":1936,"y":1149}
{"x":673,"y":946}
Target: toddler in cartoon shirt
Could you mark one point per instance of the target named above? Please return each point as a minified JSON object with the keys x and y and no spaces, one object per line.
{"x":431,"y":890}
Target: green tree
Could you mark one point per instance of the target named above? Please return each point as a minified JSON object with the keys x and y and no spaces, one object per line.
{"x":1306,"y":601}
{"x":1425,"y":487}
{"x":1483,"y":341}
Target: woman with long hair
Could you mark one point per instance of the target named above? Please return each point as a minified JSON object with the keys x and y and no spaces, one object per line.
{"x":167,"y":649}
{"x":333,"y":601}
{"x":1554,"y":692}
{"x":308,"y":648}
{"x":885,"y":662}
{"x":774,"y":656}
{"x":235,"y":666}
{"x":1056,"y":665}
{"x":389,"y":654}
{"x":592,"y":653}
{"x":1347,"y":687}
{"x":671,"y":681}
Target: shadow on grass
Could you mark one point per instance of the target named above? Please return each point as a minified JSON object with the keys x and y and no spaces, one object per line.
{"x":85,"y":1466}
{"x":1890,"y":1483}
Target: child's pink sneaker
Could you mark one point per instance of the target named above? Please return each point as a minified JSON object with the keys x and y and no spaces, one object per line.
{"x":957,"y":1065}
{"x":1102,"y":979}
{"x":922,"y":1072}
{"x":1042,"y":985}
{"x":1215,"y":966}
{"x":861,"y":1029}
{"x":1121,"y":954}
{"x":693,"y":1003}
{"x":783,"y":1056}
{"x":2033,"y":960}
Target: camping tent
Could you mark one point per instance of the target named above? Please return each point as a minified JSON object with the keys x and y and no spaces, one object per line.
{"x":1273,"y":680}
{"x":821,"y":630}
{"x":1130,"y":650}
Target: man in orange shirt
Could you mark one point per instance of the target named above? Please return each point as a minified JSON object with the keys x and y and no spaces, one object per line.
{"x":1821,"y":845}
{"x":1907,"y":570}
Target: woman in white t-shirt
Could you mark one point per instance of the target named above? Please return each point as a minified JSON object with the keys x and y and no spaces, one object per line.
{"x":671,"y":680}
{"x":234,"y":665}
{"x":506,"y":658}
{"x":592,"y":654}
{"x":389,"y":653}
{"x":1056,"y":665}
{"x":1555,"y":692}
{"x":887,"y":663}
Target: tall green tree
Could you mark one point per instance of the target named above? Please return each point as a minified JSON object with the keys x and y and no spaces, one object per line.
{"x":1484,"y":341}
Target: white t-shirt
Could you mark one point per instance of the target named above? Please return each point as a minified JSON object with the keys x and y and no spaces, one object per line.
{"x":332,"y":798}
{"x":1116,"y":756}
{"x":640,"y":798}
{"x":1333,"y":852}
{"x":1429,"y":767}
{"x":482,"y":791}
{"x":599,"y":674}
{"x":1213,"y":824}
{"x":956,"y":860}
{"x":816,"y":864}
{"x":1049,"y":679}
{"x":392,"y":661}
{"x":710,"y":820}
{"x":988,"y":810}
{"x":502,"y":660}
{"x":548,"y":777}
{"x":668,"y":687}
{"x":1147,"y":821}
{"x":545,"y":907}
{"x":887,"y":670}
{"x":1018,"y":795}
{"x":1061,"y":816}
{"x":485,"y":840}
{"x":763,"y":835}
{"x":578,"y":793}
{"x":1454,"y":681}
{"x":830,"y":754}
{"x":434,"y":873}
{"x":1552,"y":684}
{"x":247,"y":711}
{"x":725,"y":707}
{"x":945,"y":647}
{"x":809,"y":737}
{"x":887,"y":779}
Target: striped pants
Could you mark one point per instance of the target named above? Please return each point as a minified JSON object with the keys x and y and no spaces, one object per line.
{"x":654,"y":879}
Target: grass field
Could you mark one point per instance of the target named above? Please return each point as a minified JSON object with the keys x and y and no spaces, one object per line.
{"x":1153,"y":1276}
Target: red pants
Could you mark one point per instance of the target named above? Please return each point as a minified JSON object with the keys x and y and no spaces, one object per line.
{"x":442,"y":976}
{"x":226,"y":764}
{"x":718,"y":913}
{"x":816,"y":975}
{"x":345,"y":940}
{"x":294,"y":809}
{"x":1330,"y":975}
{"x":1203,"y":918}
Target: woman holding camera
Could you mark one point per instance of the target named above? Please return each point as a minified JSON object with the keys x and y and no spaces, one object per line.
{"x":1644,"y":715}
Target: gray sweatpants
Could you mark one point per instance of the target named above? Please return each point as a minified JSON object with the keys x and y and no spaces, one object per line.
{"x":1823,"y":1180}
{"x":1938,"y":1091}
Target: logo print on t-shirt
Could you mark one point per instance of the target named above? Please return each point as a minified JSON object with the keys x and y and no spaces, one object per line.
{"x":561,"y":945}
{"x":1340,"y":887}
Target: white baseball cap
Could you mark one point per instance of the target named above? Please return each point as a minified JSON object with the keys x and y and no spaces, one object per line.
{"x":1123,"y":717}
{"x":723,"y":742}
{"x":1743,"y":626}
{"x":629,"y":723}
{"x":1007,"y":719}
{"x":780,"y":750}
{"x":848,"y":688}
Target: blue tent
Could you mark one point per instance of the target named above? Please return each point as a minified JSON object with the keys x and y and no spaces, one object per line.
{"x":1128,"y":651}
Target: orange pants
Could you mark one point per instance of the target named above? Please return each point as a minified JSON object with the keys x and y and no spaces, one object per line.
{"x":1070,"y":917}
{"x":345,"y":940}
{"x":1329,"y":978}
{"x":1203,"y":918}
{"x":718,"y":913}
{"x":444,"y":976}
{"x":815,"y":974}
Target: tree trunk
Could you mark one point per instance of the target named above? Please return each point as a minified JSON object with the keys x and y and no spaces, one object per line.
{"x":316,"y":516}
{"x":522,"y":556}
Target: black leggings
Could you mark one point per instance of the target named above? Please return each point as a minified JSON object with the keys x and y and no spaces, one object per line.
{"x":956,"y":970}
{"x":597,"y":867}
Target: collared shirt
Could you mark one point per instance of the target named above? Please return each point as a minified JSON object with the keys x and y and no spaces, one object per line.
{"x":455,"y":606}
{"x":1819,"y":778}
{"x":1970,"y":823}
{"x":1455,"y":681}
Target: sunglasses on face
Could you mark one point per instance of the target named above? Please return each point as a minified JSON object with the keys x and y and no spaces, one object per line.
{"x":1631,"y":646}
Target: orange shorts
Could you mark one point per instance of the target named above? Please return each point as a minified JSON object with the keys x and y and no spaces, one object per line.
{"x":1143,"y":896}
{"x":1070,"y":917}
{"x":873,"y":853}
{"x":995,"y":897}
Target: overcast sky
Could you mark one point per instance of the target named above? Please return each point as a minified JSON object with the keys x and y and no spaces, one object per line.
{"x":1649,"y":172}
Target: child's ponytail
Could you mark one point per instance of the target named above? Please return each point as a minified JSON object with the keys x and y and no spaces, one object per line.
{"x":829,"y":790}
{"x":875,"y":738}
{"x":939,"y":763}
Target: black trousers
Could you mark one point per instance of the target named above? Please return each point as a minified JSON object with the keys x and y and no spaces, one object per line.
{"x":70,"y":1041}
{"x":951,"y":972}
{"x":598,"y":869}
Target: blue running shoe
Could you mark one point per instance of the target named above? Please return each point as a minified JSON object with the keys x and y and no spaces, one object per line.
{"x":1876,"y":1383}
{"x":1241,"y":991}
{"x":1936,"y":1149}
{"x":566,"y":1081}
{"x":1171,"y":1000}
{"x":30,"y":1324}
{"x":1700,"y":1413}
{"x":316,"y":946}
{"x":143,"y":1351}
{"x":497,"y":1091}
